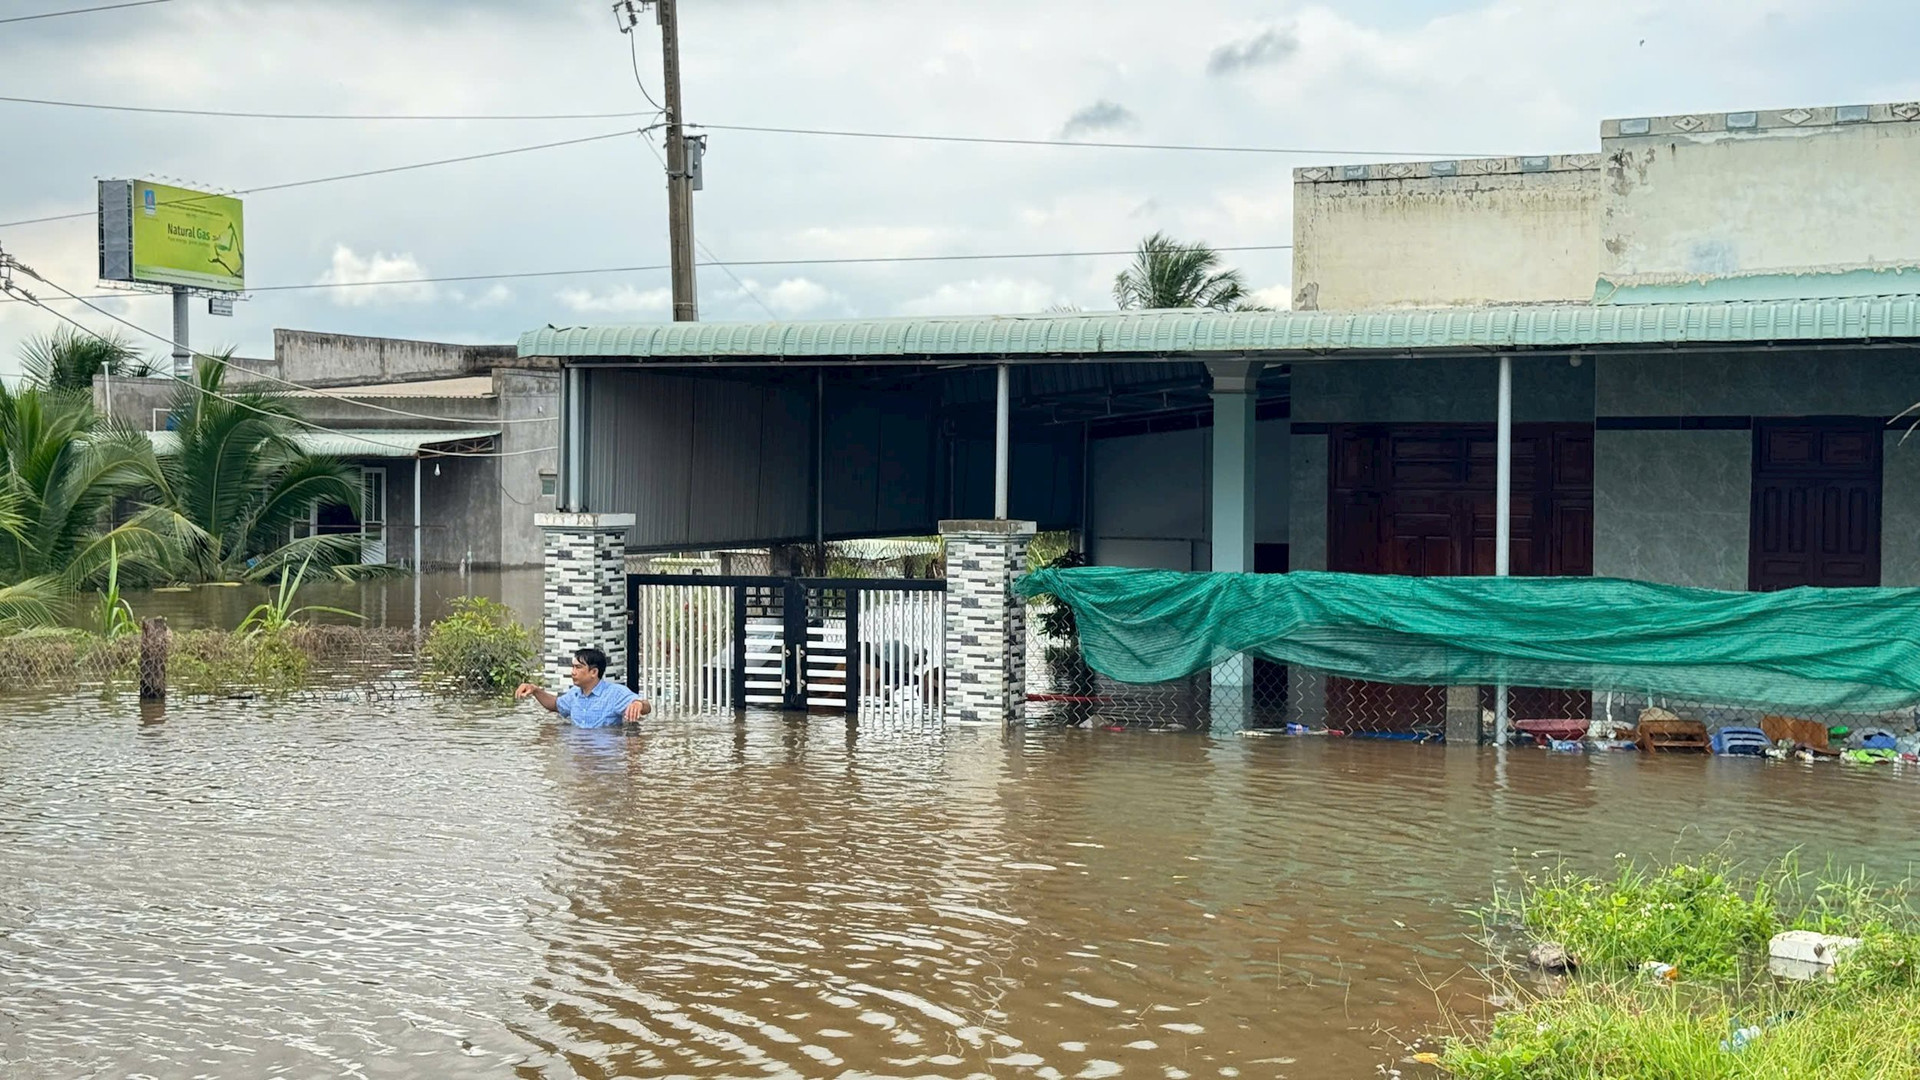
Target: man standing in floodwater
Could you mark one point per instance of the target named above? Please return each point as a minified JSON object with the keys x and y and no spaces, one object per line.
{"x":593,"y":701}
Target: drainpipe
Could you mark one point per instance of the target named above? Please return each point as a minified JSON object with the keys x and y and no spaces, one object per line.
{"x":1503,"y":517}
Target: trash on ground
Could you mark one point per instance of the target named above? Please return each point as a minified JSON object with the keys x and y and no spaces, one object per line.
{"x":1806,"y":954}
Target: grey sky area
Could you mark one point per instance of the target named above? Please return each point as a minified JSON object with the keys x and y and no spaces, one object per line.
{"x":1353,"y":81}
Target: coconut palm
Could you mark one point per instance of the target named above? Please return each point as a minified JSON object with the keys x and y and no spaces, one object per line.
{"x":232,"y":484}
{"x":1169,"y":274}
{"x":59,"y":474}
{"x":67,"y":360}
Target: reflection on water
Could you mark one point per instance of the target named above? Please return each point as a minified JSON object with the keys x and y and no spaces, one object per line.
{"x":244,"y":890}
{"x":383,"y":602}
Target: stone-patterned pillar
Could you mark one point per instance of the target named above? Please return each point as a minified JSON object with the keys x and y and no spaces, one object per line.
{"x":986,"y":646}
{"x":586,"y":590}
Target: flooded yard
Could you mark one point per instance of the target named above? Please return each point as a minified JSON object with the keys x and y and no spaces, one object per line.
{"x":408,"y":888}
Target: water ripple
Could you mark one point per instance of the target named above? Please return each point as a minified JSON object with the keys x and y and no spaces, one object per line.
{"x":261,"y":890}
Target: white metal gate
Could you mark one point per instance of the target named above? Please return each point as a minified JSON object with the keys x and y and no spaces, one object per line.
{"x":846,"y":645}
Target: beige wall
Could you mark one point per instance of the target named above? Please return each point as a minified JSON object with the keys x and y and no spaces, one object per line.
{"x":1498,"y":230}
{"x":1761,"y":205}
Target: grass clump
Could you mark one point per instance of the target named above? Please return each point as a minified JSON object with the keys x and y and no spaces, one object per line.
{"x":1700,"y":917}
{"x":480,"y":649}
{"x":1725,"y":1016}
{"x":1604,"y":1029}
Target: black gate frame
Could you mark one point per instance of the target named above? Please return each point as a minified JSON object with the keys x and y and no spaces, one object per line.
{"x":796,"y":602}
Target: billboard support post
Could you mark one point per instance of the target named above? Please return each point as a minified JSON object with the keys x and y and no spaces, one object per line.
{"x":182,"y":356}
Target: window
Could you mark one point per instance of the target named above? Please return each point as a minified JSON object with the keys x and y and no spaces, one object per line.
{"x":549,"y":485}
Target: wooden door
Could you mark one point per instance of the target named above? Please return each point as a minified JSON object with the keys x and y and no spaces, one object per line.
{"x":1419,"y":501}
{"x":1816,"y":504}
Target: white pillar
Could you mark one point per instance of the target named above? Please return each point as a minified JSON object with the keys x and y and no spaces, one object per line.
{"x":1236,"y":386}
{"x":1503,"y":518}
{"x":1002,"y":436}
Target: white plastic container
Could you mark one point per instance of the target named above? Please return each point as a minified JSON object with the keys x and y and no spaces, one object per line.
{"x":1804,"y":954}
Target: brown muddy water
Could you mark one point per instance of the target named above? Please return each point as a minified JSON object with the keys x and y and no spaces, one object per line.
{"x":405,"y":889}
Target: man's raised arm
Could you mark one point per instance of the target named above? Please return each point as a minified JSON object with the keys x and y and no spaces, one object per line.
{"x":528,"y":690}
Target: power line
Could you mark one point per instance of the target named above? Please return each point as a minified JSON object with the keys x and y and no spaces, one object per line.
{"x":361,"y":174}
{"x":226,"y":114}
{"x":633,"y":56}
{"x":850,"y":260}
{"x":82,"y":11}
{"x":302,"y":421}
{"x":713,"y":259}
{"x":1084,"y":143}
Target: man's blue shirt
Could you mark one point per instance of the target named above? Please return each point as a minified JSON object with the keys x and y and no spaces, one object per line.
{"x":604,"y":706}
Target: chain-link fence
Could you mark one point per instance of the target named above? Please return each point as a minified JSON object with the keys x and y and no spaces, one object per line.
{"x":1256,"y":695}
{"x":330,"y":662}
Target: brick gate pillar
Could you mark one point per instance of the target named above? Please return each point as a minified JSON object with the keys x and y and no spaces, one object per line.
{"x":986,"y":636}
{"x":586,"y":590}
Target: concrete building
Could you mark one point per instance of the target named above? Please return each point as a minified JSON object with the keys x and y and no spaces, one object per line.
{"x":465,"y":433}
{"x":1705,"y":327}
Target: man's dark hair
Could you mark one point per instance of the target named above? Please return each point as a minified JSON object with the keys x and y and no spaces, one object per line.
{"x":594,"y":659}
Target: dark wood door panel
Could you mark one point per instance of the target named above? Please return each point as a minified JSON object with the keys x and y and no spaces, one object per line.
{"x":1420,"y":501}
{"x":1816,"y":504}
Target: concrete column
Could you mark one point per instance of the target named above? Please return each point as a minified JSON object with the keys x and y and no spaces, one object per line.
{"x":986,"y":632}
{"x":586,"y":590}
{"x":1236,"y":389}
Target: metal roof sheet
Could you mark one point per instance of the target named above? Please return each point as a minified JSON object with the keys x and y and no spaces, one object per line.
{"x":1200,"y":333}
{"x":388,"y":444}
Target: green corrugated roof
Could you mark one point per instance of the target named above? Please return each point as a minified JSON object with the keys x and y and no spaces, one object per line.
{"x":1197,"y":333}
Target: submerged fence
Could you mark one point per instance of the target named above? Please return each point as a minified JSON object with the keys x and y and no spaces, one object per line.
{"x":1064,"y":691}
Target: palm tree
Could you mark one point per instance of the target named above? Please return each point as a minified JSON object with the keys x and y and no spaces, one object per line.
{"x":59,"y":475}
{"x":1169,"y":274}
{"x":66,"y":360}
{"x":233,"y":484}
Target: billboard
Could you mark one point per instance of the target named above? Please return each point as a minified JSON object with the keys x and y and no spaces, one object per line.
{"x":154,"y":234}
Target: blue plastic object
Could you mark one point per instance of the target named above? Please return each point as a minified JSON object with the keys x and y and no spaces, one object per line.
{"x":1740,"y":740}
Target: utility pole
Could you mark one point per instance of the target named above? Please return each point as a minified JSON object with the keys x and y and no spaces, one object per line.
{"x":686,"y":303}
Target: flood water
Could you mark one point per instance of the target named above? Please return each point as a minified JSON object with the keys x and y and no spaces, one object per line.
{"x":408,"y":889}
{"x":383,"y":602}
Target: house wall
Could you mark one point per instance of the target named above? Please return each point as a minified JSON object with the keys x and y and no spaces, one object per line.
{"x":1151,"y":496}
{"x":1900,"y":510}
{"x":529,"y":449}
{"x":1674,"y":505}
{"x":1771,"y":204}
{"x":1414,"y":234}
{"x":333,"y":360}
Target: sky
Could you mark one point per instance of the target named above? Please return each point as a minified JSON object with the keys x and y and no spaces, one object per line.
{"x":1356,"y":80}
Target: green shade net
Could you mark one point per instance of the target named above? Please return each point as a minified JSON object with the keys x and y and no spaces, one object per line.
{"x":1840,"y":649}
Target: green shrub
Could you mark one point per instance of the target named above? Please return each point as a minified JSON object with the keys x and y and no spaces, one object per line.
{"x":480,"y":649}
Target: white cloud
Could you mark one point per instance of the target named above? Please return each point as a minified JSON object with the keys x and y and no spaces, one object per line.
{"x":984,"y":297}
{"x":625,"y":300}
{"x":798,"y":296}
{"x":1453,"y":76}
{"x":496,"y":296}
{"x":362,"y":275}
{"x":1277,"y":297}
